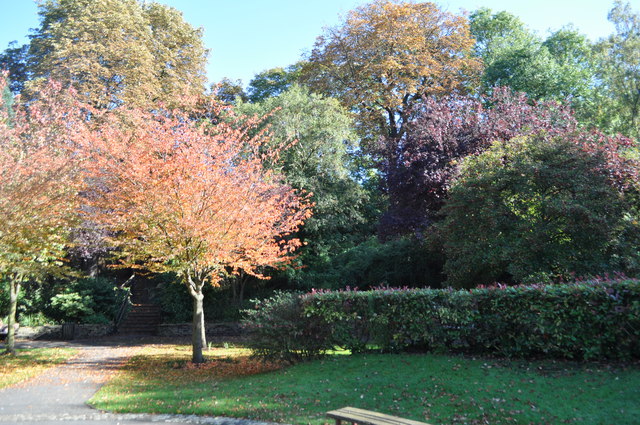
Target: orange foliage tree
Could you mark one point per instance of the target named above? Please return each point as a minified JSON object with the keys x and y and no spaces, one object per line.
{"x":387,"y":55}
{"x":38,"y":187}
{"x":192,"y":198}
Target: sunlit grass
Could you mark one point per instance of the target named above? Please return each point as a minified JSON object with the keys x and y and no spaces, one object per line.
{"x":431,"y":388}
{"x":30,"y":362}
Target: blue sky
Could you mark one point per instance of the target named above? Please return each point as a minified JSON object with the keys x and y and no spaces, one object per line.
{"x":249,"y":36}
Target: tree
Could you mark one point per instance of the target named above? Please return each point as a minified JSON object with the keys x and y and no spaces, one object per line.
{"x":193,"y":199}
{"x":38,"y":188}
{"x":116,"y":51}
{"x":273,"y":82}
{"x":418,"y":170}
{"x":228,"y":91}
{"x":320,"y":163}
{"x":386,"y":56}
{"x":558,"y":68}
{"x":537,"y":208}
{"x":620,"y":70}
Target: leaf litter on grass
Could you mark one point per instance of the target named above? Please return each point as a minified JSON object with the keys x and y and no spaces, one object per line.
{"x":432,"y":388}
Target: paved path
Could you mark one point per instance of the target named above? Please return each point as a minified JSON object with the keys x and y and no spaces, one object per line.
{"x":59,"y":394}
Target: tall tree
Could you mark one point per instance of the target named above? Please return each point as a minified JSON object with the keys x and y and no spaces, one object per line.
{"x":558,"y":68}
{"x":386,"y":56}
{"x":38,"y":188}
{"x":116,"y":51}
{"x":193,"y":199}
{"x":273,"y":82}
{"x":620,"y":70}
{"x":319,"y":162}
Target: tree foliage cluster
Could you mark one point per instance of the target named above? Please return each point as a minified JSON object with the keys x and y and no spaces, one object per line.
{"x":434,"y":149}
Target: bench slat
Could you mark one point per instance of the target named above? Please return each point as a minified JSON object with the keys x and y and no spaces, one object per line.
{"x":367,"y":417}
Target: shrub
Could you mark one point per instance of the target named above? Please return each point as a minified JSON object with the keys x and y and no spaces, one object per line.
{"x":279,"y":329}
{"x":91,"y":300}
{"x":586,"y":320}
{"x":534,"y":209}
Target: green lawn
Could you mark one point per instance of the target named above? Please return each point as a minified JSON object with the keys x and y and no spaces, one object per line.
{"x":432,"y":388}
{"x":31,"y":362}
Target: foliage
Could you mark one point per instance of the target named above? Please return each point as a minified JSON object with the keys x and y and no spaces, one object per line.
{"x":279,"y":329}
{"x":559,"y":68}
{"x":38,"y":186}
{"x":319,"y":162}
{"x":372,"y":263}
{"x":432,"y":388}
{"x":192,"y":199}
{"x":273,"y":82}
{"x":531,"y":209}
{"x":91,"y":300}
{"x":418,"y":171}
{"x":619,"y":56}
{"x":115,"y":51}
{"x":386,"y":56}
{"x":175,"y":301}
{"x":589,"y":320}
{"x":228,"y":91}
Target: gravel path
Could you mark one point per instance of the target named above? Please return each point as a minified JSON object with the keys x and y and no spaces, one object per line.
{"x":60,"y":394}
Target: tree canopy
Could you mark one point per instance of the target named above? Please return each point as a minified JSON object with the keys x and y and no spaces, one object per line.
{"x":192,"y":199}
{"x":114,"y":52}
{"x":386,"y":56}
{"x":38,"y":187}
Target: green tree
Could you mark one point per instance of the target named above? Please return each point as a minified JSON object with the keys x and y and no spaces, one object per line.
{"x":534,"y":208}
{"x":273,"y":82}
{"x":319,"y":162}
{"x":620,"y":71}
{"x":116,"y":51}
{"x":228,"y":91}
{"x":559,"y":68}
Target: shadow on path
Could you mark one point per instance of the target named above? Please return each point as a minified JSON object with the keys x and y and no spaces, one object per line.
{"x":60,"y":393}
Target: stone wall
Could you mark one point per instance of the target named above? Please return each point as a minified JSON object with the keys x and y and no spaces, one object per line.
{"x":212,"y":329}
{"x":72,"y":331}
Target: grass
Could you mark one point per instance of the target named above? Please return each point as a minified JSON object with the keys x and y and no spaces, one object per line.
{"x":432,"y":388}
{"x":28,"y":363}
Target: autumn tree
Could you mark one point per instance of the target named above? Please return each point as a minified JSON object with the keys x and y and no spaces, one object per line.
{"x":193,"y":199}
{"x":38,"y":188}
{"x":113,"y":52}
{"x":386,"y":56}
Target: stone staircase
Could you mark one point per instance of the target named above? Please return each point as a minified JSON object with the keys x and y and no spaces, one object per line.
{"x":144,"y":316}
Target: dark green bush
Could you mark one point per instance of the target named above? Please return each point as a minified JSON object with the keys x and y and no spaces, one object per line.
{"x":535,"y":209}
{"x":90,"y":300}
{"x":280,"y":329}
{"x":588,"y":320}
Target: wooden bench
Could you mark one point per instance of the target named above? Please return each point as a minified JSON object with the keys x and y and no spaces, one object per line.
{"x":367,"y":417}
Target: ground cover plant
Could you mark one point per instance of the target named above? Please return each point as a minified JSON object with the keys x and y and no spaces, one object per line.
{"x":434,"y":388}
{"x":28,"y":363}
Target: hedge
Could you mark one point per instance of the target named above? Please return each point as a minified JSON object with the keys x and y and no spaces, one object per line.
{"x":593,"y":320}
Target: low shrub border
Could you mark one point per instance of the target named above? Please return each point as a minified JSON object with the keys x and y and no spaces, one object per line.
{"x":591,"y":320}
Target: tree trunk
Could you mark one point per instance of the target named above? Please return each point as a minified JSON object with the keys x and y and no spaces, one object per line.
{"x":14,"y":289}
{"x":199,"y":340}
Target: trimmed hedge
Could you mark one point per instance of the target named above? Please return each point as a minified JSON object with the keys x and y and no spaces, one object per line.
{"x":583,"y":321}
